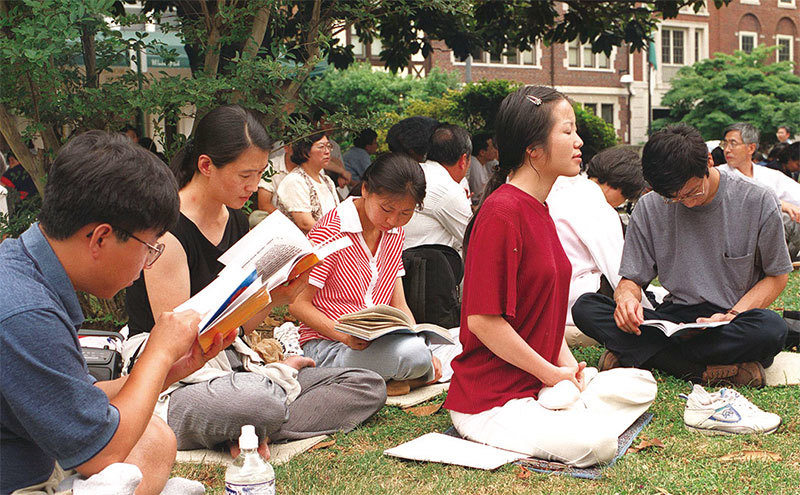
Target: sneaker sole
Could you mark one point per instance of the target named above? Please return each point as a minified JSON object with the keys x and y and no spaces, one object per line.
{"x":706,"y":431}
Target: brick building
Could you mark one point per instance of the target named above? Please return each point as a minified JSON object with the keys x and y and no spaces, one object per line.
{"x":610,"y":86}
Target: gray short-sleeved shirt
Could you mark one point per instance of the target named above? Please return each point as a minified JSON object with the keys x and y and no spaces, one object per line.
{"x":713,"y":253}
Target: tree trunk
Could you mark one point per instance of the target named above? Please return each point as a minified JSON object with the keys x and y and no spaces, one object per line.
{"x":253,"y":43}
{"x":213,"y":50}
{"x":312,"y":43}
{"x":89,"y":55}
{"x":32,"y":164}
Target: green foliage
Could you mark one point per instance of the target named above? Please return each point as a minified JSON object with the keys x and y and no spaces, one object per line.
{"x":364,"y":92}
{"x":477,"y":104}
{"x":716,"y":92}
{"x":597,"y":134}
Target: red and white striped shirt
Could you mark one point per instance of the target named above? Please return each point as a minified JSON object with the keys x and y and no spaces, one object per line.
{"x":352,"y":279}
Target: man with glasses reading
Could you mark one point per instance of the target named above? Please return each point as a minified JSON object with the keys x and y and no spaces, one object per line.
{"x":107,"y":202}
{"x":714,"y":239}
{"x":740,"y":142}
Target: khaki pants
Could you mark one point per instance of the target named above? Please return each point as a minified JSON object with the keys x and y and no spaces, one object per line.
{"x":576,"y":338}
{"x":48,"y":487}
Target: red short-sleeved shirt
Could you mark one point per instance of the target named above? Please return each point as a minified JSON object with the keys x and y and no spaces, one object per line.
{"x":352,"y":279}
{"x":516,"y":268}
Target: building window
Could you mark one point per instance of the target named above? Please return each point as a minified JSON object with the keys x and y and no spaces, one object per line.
{"x":607,"y":112}
{"x":786,"y":4}
{"x":698,"y":44}
{"x":510,"y":57}
{"x":591,"y":108}
{"x":673,"y":46}
{"x":747,"y":41}
{"x":785,"y":45}
{"x":579,"y":55}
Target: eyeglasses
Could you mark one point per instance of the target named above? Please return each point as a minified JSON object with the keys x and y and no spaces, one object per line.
{"x":691,"y":195}
{"x":323,"y":147}
{"x":729,"y":144}
{"x":153,"y":252}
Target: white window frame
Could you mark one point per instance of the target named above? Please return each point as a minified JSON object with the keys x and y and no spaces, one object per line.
{"x":594,"y":68}
{"x":743,"y":34}
{"x":788,"y":37}
{"x":487,"y":62}
{"x":751,"y":2}
{"x":686,"y":33}
{"x":787,"y":4}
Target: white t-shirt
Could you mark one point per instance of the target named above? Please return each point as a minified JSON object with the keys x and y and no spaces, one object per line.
{"x":295,"y":194}
{"x":277,"y":159}
{"x":590,"y":232}
{"x":783,"y":186}
{"x":445,"y":214}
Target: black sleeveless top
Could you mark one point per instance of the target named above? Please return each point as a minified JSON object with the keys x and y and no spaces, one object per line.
{"x":203,"y":265}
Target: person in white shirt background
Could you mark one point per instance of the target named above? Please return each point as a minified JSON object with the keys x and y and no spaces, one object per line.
{"x":589,"y":227}
{"x":740,"y":142}
{"x":484,"y":156}
{"x":446,"y":210}
{"x":784,"y":134}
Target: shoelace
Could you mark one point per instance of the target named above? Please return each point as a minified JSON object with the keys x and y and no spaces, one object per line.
{"x":737,"y":400}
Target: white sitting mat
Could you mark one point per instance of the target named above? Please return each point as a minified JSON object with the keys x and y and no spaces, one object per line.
{"x":785,"y":370}
{"x":280,"y":453}
{"x":437,"y":447}
{"x":418,"y":395}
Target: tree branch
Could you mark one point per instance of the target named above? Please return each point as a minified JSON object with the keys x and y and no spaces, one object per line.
{"x":34,"y":166}
{"x":89,"y":55}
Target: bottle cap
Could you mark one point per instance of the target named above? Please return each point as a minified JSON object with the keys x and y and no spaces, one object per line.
{"x":248,"y":439}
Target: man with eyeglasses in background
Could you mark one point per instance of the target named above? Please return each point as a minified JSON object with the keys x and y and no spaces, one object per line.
{"x":739,"y":143}
{"x":107,"y":201}
{"x":714,"y":240}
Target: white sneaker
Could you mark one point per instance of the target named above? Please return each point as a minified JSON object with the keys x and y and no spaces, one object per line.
{"x":726,"y":412}
{"x":289,"y":337}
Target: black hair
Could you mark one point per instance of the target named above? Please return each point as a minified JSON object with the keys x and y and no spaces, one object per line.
{"x":396,"y":174}
{"x":129,"y":127}
{"x":11,"y":155}
{"x":776,"y":150}
{"x":620,"y":168}
{"x":412,"y":136}
{"x":786,"y":128}
{"x":365,"y":138}
{"x":718,"y":155}
{"x":672,"y":156}
{"x":148,"y":144}
{"x":790,"y":153}
{"x":302,"y":147}
{"x":103,"y":177}
{"x":448,"y":144}
{"x":524,"y":121}
{"x":222,"y":134}
{"x":480,"y":142}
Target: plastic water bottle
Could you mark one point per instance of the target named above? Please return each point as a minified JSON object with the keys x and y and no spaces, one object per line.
{"x":249,"y":474}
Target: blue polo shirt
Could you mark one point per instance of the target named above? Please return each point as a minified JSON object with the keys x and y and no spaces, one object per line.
{"x":49,"y":408}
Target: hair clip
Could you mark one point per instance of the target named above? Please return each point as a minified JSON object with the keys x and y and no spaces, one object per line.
{"x":534,"y":99}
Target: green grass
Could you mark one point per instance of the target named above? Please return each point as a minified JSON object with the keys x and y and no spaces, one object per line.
{"x":688,"y":463}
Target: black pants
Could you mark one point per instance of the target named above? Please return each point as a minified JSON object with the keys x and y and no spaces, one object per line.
{"x":754,"y":335}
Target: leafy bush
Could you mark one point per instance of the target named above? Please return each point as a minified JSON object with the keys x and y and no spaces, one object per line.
{"x":719,"y":91}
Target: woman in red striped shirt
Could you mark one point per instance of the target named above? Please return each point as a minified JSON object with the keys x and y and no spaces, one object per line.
{"x":366,"y":274}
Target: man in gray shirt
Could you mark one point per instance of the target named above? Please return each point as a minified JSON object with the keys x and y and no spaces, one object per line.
{"x":715,"y":241}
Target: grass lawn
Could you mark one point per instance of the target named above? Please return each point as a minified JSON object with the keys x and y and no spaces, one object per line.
{"x":688,"y":462}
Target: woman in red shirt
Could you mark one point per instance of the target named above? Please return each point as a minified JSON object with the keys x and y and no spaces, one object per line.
{"x":365,"y":274}
{"x":516,"y":290}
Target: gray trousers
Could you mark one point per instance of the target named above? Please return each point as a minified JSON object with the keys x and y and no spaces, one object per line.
{"x":393,"y":356}
{"x":791,"y":230}
{"x":205,"y":415}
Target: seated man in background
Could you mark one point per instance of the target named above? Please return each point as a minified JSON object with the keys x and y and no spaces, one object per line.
{"x":446,"y":209}
{"x":589,"y":227}
{"x":359,"y":157}
{"x":740,"y":143}
{"x":714,"y":239}
{"x":107,"y":203}
{"x":484,"y":156}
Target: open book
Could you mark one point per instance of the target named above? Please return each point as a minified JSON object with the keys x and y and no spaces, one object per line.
{"x":670,"y":328}
{"x":273,"y":253}
{"x":377,"y":321}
